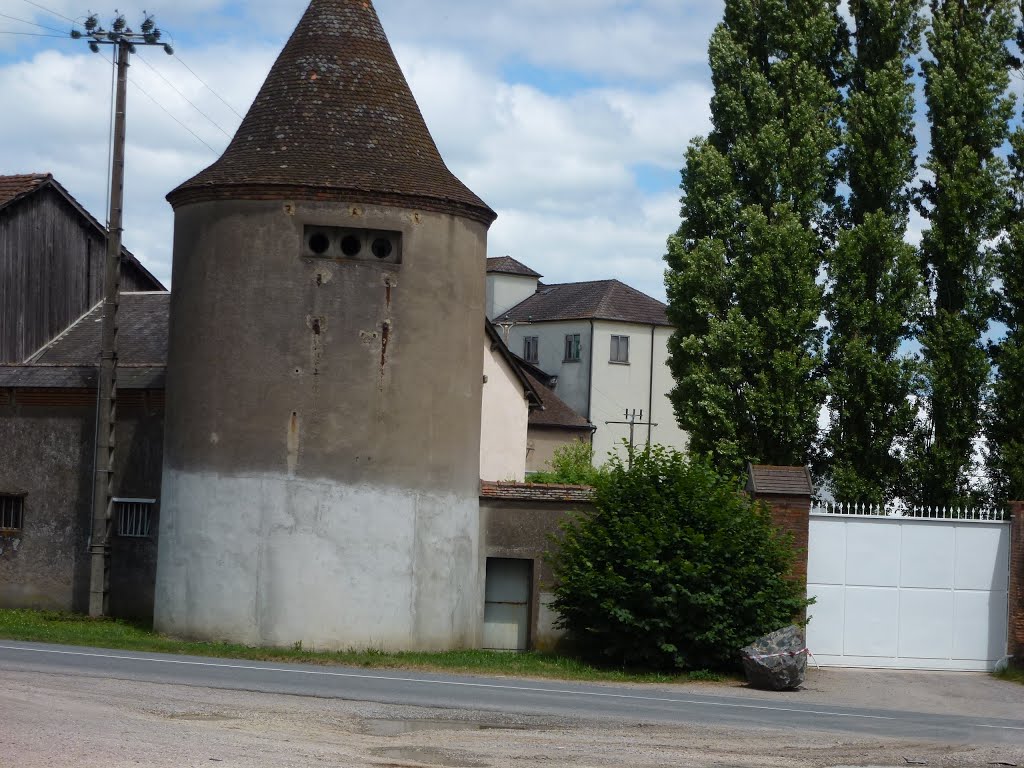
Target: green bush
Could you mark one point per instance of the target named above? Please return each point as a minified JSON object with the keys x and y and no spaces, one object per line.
{"x":675,"y":568}
{"x":572,"y":464}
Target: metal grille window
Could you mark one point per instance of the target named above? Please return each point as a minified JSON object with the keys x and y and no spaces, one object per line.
{"x":620,"y":349}
{"x":133,"y":517}
{"x":12,"y":513}
{"x":530,"y":348}
{"x":572,"y":346}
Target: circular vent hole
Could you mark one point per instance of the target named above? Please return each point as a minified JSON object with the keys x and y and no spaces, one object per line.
{"x":381,"y":247}
{"x":319,"y":243}
{"x":350,"y":245}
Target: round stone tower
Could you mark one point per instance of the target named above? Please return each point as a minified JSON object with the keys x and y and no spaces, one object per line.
{"x":321,"y":457}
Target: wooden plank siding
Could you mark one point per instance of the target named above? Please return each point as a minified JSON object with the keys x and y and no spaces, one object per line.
{"x":51,"y":271}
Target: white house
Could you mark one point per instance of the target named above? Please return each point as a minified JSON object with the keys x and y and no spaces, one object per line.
{"x":605,"y":342}
{"x":522,"y":421}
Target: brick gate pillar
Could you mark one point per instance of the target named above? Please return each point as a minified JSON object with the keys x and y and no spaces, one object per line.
{"x":787,"y":491}
{"x":1015,"y":630}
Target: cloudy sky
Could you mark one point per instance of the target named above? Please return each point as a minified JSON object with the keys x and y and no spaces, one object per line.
{"x":569,"y":118}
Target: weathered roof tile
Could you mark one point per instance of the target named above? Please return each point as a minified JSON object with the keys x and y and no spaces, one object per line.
{"x":336,"y":119}
{"x":594,"y":300}
{"x":13,"y":187}
{"x":768,"y":480}
{"x":506,"y":265}
{"x":141,"y":338}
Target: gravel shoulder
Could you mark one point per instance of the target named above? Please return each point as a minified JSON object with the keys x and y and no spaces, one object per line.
{"x":941,"y":693}
{"x":69,"y":720}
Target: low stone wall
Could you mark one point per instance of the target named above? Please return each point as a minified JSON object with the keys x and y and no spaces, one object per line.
{"x":47,"y":456}
{"x":517,"y":521}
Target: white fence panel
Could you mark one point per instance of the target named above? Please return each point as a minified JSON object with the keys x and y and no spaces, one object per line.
{"x":907,"y":592}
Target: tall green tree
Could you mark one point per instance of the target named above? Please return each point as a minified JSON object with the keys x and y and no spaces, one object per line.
{"x":743,"y":266}
{"x":1004,"y":425}
{"x":875,"y":294}
{"x":966,"y":78}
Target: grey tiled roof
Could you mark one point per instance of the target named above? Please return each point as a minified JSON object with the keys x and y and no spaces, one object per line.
{"x":506,"y":265}
{"x":764,"y":479}
{"x":594,"y":300}
{"x":141,"y":339}
{"x":335,"y":119}
{"x":79,"y":376}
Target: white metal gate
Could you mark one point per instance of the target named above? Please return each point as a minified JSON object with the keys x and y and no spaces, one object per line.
{"x":907,"y":592}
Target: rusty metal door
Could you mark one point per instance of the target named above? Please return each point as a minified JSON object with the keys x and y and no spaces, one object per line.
{"x":507,"y":604}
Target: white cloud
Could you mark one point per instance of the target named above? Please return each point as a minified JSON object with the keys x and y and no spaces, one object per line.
{"x":558,"y":164}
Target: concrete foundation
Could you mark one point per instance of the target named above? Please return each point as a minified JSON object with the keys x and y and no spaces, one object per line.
{"x":268,"y":559}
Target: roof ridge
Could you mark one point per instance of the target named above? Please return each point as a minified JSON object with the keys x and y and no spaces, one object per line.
{"x":49,"y":345}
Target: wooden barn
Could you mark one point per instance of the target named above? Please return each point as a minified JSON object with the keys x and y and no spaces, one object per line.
{"x":51,"y":264}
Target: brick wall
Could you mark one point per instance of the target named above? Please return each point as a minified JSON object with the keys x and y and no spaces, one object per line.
{"x":792,"y":515}
{"x":536,"y":491}
{"x":1015,"y":634}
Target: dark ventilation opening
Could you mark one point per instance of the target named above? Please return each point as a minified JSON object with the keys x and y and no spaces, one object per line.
{"x":319,"y":243}
{"x":381,"y":247}
{"x":350,"y":245}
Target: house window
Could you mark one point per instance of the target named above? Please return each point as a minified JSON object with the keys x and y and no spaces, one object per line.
{"x":620,"y":349}
{"x":530,"y":346}
{"x":572,"y":347}
{"x":12,"y":513}
{"x":133,"y":517}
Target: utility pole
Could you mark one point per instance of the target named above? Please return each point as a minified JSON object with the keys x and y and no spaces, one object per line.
{"x":634,"y":419}
{"x":123,"y":40}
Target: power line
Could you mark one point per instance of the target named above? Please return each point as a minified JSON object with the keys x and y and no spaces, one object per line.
{"x":51,"y":12}
{"x":31,"y":34}
{"x":197,"y":77}
{"x":186,"y":98}
{"x":145,"y":93}
{"x":34,"y":24}
{"x":196,"y":135}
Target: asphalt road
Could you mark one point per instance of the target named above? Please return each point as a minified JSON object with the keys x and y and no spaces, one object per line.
{"x":619,"y":704}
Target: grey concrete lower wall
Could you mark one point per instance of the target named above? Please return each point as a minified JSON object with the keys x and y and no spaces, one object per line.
{"x":523,"y":529}
{"x":46,"y":453}
{"x":268,"y":559}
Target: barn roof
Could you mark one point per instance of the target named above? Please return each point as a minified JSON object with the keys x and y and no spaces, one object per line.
{"x":19,"y":185}
{"x":79,"y":376}
{"x":141,"y":338}
{"x":335,"y":120}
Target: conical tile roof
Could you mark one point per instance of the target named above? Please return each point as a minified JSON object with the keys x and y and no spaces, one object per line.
{"x":335,"y":120}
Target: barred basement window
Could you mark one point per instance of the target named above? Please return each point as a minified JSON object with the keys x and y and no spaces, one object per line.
{"x":620,"y":349}
{"x":530,"y":348}
{"x":12,"y":513}
{"x":133,"y":517}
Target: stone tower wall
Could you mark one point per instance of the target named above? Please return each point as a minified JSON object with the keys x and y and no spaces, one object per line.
{"x":322,"y":431}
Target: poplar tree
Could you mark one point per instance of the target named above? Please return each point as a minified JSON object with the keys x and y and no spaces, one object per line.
{"x":1004,"y":425}
{"x":966,"y":79}
{"x":741,"y":282}
{"x":874,"y":276}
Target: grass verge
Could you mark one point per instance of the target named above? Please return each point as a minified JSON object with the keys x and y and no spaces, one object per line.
{"x":1014,"y":674}
{"x":73,"y":629}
